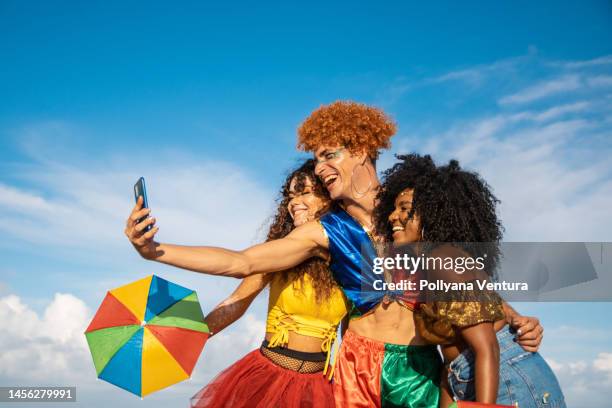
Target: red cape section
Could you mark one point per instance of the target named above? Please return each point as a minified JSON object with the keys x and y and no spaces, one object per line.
{"x":111,"y":313}
{"x":185,"y":345}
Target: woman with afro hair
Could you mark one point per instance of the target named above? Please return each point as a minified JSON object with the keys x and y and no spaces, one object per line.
{"x":382,"y":361}
{"x":448,"y":213}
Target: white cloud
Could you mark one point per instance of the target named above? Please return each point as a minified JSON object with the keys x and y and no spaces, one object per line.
{"x":81,"y":210}
{"x":86,"y":207}
{"x":600,"y":81}
{"x":472,"y":75}
{"x":543,"y":90}
{"x":553,"y":112}
{"x":527,"y":162}
{"x":22,"y":200}
{"x":603,"y":362}
{"x":547,"y":164}
{"x":477,"y":75}
{"x":49,"y":348}
{"x":510,"y":82}
{"x":604,"y":60}
{"x":554,"y":365}
{"x":584,"y":383}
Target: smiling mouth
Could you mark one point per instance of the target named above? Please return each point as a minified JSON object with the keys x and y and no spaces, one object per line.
{"x":397,"y":228}
{"x":329,"y":180}
{"x":296,"y":208}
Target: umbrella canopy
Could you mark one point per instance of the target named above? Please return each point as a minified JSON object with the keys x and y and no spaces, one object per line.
{"x":147,"y":335}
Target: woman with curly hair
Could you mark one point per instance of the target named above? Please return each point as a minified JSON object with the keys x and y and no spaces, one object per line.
{"x":381,"y":350}
{"x":449,"y":213}
{"x":304,"y":309}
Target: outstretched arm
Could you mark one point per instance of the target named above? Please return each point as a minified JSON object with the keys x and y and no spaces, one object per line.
{"x":232,"y":308}
{"x":302,"y":243}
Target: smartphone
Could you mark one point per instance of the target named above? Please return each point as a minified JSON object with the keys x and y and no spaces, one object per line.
{"x":141,"y":190}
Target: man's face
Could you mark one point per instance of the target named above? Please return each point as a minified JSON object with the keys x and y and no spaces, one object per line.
{"x":335,"y":165}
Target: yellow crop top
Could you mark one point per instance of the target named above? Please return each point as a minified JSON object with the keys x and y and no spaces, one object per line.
{"x":293,"y":307}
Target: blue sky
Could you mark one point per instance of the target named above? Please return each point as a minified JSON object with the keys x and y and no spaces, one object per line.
{"x":204,"y":100}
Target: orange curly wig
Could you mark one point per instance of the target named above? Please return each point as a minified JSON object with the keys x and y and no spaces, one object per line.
{"x":358,"y":127}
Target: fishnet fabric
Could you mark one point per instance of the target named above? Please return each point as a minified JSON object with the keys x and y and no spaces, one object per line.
{"x":293,"y":364}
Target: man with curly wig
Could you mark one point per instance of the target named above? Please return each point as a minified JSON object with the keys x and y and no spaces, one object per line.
{"x":383,"y":361}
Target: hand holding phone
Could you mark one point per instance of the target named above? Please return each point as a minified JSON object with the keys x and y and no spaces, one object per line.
{"x":140,"y":190}
{"x":140,"y":227}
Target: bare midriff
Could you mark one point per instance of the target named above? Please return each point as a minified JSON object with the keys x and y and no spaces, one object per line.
{"x":299,"y":342}
{"x":388,"y":323}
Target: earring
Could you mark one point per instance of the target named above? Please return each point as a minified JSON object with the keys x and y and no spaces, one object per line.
{"x":358,"y":194}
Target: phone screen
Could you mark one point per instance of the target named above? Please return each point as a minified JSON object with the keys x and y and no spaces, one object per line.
{"x":141,"y":190}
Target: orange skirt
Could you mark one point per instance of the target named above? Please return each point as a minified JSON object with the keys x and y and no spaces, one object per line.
{"x":256,"y":382}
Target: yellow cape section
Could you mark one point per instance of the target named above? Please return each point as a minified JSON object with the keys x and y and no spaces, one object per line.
{"x":134,"y":296}
{"x":159,"y":368}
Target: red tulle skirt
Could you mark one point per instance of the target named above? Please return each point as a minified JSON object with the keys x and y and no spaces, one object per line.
{"x":254,"y":381}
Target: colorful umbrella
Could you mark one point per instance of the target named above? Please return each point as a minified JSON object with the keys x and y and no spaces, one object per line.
{"x":147,"y":335}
